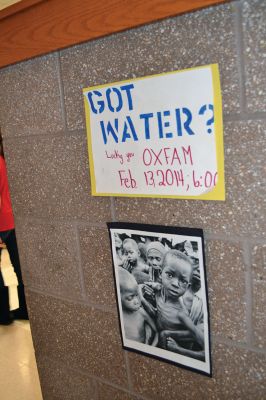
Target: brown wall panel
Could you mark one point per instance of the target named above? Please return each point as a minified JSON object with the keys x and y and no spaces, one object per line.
{"x":16,"y":7}
{"x":54,"y":24}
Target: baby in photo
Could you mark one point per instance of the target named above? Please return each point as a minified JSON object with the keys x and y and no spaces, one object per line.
{"x":132,"y":261}
{"x":136,"y":319}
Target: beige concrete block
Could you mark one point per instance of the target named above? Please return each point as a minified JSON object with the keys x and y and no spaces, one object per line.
{"x":30,"y":97}
{"x":259,"y":294}
{"x":107,"y":392}
{"x":58,"y":382}
{"x":254,"y":33}
{"x":226,"y":283}
{"x":49,"y":257}
{"x":82,"y":337}
{"x":97,"y":265}
{"x":49,"y":178}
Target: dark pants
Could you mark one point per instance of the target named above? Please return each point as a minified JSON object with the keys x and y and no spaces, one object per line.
{"x":21,"y":312}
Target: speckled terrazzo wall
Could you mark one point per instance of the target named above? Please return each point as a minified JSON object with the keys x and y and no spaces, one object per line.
{"x":61,"y":229}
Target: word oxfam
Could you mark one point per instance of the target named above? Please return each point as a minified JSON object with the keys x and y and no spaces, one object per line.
{"x":164,"y":124}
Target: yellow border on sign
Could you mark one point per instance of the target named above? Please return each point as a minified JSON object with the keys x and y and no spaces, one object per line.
{"x":88,"y":126}
{"x":218,"y":192}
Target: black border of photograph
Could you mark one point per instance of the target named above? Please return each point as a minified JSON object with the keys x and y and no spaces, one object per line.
{"x":161,"y":292}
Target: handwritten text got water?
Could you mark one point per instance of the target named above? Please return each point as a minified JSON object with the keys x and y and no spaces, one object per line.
{"x":124,"y":130}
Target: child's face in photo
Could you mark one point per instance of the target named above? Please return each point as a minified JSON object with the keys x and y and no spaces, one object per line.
{"x":155,"y":258}
{"x":195,"y":280}
{"x":130,"y":252}
{"x":176,"y":276}
{"x":130,"y":298}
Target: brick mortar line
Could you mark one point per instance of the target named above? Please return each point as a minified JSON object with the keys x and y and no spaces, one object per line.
{"x":61,"y":90}
{"x":208,"y":235}
{"x":80,"y":269}
{"x":60,"y":221}
{"x":240,"y":54}
{"x":233,"y":238}
{"x":128,"y":370}
{"x":70,"y":300}
{"x":96,"y":388}
{"x":47,"y":134}
{"x":113,"y":211}
{"x":244,"y":117}
{"x":238,"y":345}
{"x":249,"y":291}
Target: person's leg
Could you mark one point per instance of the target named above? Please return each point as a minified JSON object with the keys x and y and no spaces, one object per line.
{"x":5,"y":317}
{"x":11,"y":244}
{"x":1,"y":277}
{"x":12,"y":248}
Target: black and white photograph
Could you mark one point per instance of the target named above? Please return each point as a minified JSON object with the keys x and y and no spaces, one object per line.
{"x":161,"y":290}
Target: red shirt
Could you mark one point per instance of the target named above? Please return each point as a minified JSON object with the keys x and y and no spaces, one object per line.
{"x":6,"y":214}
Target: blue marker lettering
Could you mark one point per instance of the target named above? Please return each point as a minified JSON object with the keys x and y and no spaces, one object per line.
{"x":99,"y":102}
{"x":119,"y":97}
{"x":186,"y":124}
{"x":126,"y":132}
{"x":163,"y":124}
{"x":146,"y":118}
{"x":187,"y":112}
{"x":109,"y":130}
{"x":128,"y":88}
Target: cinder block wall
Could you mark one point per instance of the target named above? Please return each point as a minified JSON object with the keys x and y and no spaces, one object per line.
{"x":61,"y":229}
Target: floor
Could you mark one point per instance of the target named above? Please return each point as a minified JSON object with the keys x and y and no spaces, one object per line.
{"x":19,"y":378}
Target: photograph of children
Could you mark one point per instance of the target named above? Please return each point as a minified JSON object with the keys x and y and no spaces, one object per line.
{"x":161,"y":292}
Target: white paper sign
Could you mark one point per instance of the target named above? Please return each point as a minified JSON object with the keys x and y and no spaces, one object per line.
{"x":157,"y":136}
